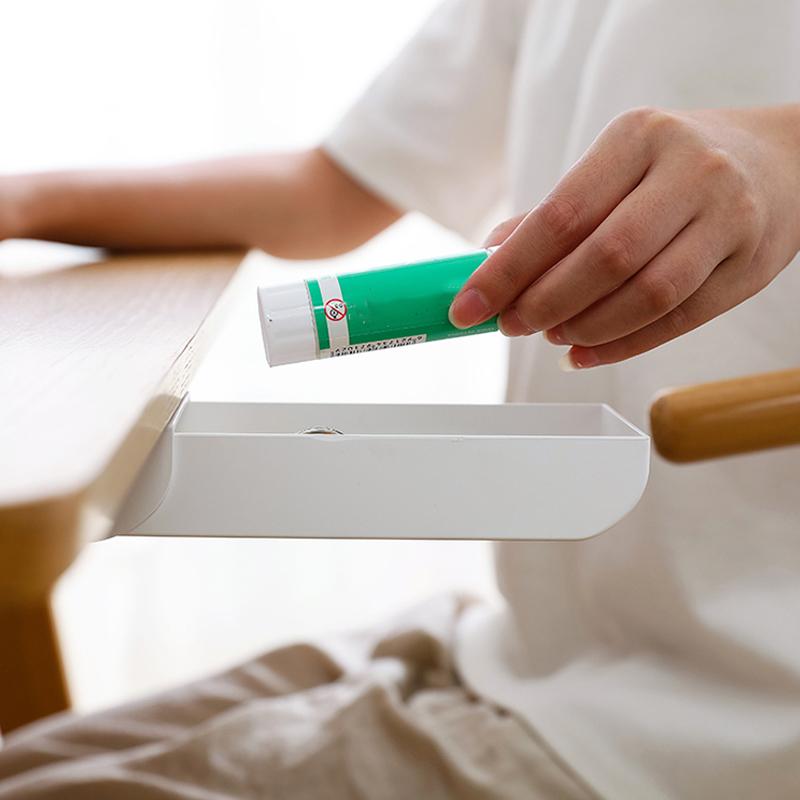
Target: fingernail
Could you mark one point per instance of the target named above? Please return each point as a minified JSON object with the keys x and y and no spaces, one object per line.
{"x":511,"y":324}
{"x":556,"y":335}
{"x":468,"y":309}
{"x":578,"y":359}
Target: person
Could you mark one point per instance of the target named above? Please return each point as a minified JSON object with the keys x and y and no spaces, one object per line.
{"x":650,"y":154}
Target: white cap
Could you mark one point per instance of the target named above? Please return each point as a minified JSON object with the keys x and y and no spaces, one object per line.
{"x":287,"y":323}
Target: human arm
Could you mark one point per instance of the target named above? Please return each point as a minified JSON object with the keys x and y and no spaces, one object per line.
{"x":294,"y":205}
{"x":427,"y":135}
{"x":668,"y":220}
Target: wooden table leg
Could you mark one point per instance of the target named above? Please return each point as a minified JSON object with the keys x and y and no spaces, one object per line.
{"x":32,"y":681}
{"x":37,"y":543}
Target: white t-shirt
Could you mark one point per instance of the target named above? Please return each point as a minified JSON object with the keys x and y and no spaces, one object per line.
{"x":662,"y":658}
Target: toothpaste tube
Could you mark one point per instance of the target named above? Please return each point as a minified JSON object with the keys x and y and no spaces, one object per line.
{"x":374,"y":310}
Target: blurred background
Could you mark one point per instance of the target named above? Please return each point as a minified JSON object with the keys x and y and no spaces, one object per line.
{"x":92,"y":83}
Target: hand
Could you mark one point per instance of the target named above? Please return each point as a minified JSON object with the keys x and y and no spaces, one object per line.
{"x":668,"y":220}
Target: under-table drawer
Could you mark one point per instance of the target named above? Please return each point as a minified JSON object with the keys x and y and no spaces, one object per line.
{"x":517,"y":471}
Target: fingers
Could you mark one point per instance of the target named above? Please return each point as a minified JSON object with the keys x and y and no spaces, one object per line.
{"x":640,"y":227}
{"x":667,"y":281}
{"x":717,"y":295}
{"x":585,"y":196}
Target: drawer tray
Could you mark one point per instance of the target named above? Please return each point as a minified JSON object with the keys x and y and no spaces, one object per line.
{"x":519,"y":471}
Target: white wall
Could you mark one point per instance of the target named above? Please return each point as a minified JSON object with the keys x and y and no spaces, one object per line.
{"x":93,"y":82}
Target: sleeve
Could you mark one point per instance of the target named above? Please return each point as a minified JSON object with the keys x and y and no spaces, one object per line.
{"x":429,"y":134}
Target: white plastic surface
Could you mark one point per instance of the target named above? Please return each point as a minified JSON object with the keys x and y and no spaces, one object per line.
{"x":488,"y":472}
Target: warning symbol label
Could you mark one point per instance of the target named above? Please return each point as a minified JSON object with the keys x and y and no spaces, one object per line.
{"x":335,"y":309}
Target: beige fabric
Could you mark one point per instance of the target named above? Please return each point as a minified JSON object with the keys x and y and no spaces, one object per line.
{"x":378,"y":715}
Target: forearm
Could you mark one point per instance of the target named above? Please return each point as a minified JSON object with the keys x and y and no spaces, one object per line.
{"x":297,"y":205}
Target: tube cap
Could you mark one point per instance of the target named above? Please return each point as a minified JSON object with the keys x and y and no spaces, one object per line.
{"x":287,"y":324}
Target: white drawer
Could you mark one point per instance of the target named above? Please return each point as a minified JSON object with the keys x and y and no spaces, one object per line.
{"x":541,"y":471}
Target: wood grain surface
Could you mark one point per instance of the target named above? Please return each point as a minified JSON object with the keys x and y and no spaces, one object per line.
{"x":95,"y":354}
{"x":83,"y":351}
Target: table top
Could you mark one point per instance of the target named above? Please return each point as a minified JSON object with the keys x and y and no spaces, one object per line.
{"x":95,"y":353}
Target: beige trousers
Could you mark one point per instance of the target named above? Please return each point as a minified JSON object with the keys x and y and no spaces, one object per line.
{"x":379,"y":715}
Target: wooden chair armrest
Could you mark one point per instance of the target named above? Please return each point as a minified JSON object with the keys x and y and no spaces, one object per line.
{"x":755,"y":412}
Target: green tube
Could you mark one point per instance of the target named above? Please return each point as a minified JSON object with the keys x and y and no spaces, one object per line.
{"x":363,"y":311}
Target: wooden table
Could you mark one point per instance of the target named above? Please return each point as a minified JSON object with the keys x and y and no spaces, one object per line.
{"x":95,"y":354}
